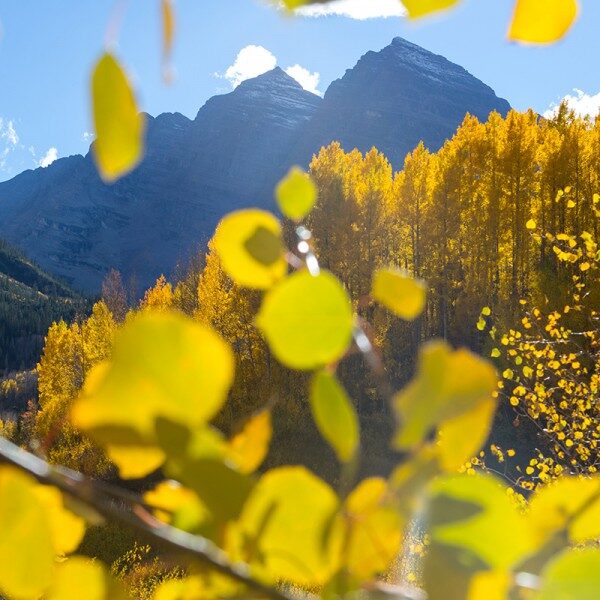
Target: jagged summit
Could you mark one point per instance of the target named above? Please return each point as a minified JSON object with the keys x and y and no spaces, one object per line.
{"x":275,"y":78}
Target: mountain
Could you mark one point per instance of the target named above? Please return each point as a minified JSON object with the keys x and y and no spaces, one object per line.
{"x":30,"y":300}
{"x":230,"y":156}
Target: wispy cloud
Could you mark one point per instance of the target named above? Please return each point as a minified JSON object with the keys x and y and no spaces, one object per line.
{"x":8,"y":133}
{"x":355,"y":9}
{"x":87,"y":136}
{"x":581,"y":103}
{"x":48,"y":158}
{"x":309,"y":81}
{"x":250,"y":62}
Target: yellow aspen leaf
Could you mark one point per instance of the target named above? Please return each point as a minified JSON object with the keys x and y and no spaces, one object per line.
{"x":542,"y":21}
{"x":375,"y":530}
{"x":575,"y":573}
{"x":584,"y":266}
{"x":67,"y":528}
{"x":491,"y":585}
{"x":119,"y":126}
{"x":177,"y":505}
{"x":296,"y":194}
{"x":250,"y":446}
{"x":190,"y":588}
{"x":531,"y":224}
{"x":164,"y":366}
{"x":307,"y":320}
{"x":448,"y":383}
{"x":26,"y":544}
{"x":495,"y":353}
{"x":250,"y":248}
{"x":288,"y":546}
{"x":400,"y":293}
{"x":79,"y":575}
{"x":421,"y":8}
{"x":481,"y":324}
{"x":486,"y":311}
{"x":334,"y":415}
{"x":168,"y":26}
{"x":571,"y":204}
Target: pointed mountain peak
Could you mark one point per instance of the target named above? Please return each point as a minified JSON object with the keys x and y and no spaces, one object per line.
{"x":277,"y":78}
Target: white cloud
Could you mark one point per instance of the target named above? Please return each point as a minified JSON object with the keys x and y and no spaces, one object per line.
{"x":309,"y":81}
{"x":49,"y":158}
{"x":8,"y":133}
{"x":87,"y":136}
{"x":355,"y":9}
{"x":581,"y":103}
{"x":251,"y":61}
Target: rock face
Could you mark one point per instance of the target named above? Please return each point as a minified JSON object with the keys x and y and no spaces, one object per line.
{"x":230,"y":156}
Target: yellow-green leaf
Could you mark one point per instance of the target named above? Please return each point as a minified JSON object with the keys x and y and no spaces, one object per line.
{"x":334,"y":414}
{"x":250,"y":248}
{"x":279,"y":539}
{"x":402,"y":294}
{"x":448,"y":383}
{"x":531,"y":224}
{"x":119,"y":126}
{"x":164,"y":366}
{"x":249,"y":447}
{"x":296,"y":194}
{"x":572,"y":575}
{"x":26,"y":541}
{"x":81,"y":577}
{"x":421,"y":8}
{"x":542,"y":21}
{"x":307,"y":320}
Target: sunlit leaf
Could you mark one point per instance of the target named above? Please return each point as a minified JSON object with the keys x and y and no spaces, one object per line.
{"x":531,"y":224}
{"x":402,"y":294}
{"x":80,"y":577}
{"x":570,"y":503}
{"x":307,"y":320}
{"x":334,"y":414}
{"x":287,"y":527}
{"x":296,"y":194}
{"x":249,"y":447}
{"x":164,"y":366}
{"x":491,"y":585}
{"x":420,"y":8}
{"x":250,"y":248}
{"x":26,"y":541}
{"x":119,"y":126}
{"x":542,"y":21}
{"x":447,"y":384}
{"x":190,"y":588}
{"x":375,"y":530}
{"x":168,"y":26}
{"x":573,"y":575}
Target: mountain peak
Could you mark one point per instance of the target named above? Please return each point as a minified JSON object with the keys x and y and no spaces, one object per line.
{"x":275,"y":78}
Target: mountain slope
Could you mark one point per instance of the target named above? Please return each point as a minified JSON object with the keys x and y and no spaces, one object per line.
{"x":30,"y":300}
{"x":230,"y":156}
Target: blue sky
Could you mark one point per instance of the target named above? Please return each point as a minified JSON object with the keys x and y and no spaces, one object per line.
{"x":48,"y":47}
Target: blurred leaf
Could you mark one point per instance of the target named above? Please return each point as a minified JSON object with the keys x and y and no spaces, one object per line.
{"x":573,"y":575}
{"x":420,"y":8}
{"x":80,"y":577}
{"x":250,"y":248}
{"x":375,"y":530}
{"x":287,"y":527}
{"x":542,"y":21}
{"x":490,"y":585}
{"x":307,"y":320}
{"x":168,"y":23}
{"x":190,"y":588}
{"x":26,"y":542}
{"x":558,"y":505}
{"x":250,"y":446}
{"x":334,"y":414}
{"x":296,"y":194}
{"x":402,"y":294}
{"x":447,"y":384}
{"x":164,"y":366}
{"x":119,"y":126}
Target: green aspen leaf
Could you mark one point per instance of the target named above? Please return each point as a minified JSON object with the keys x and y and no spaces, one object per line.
{"x":448,"y":383}
{"x":164,"y":366}
{"x":119,"y":126}
{"x":542,"y":21}
{"x":421,"y":8}
{"x":571,"y":503}
{"x":79,"y":575}
{"x":375,"y":530}
{"x":296,"y":194}
{"x":475,"y":514}
{"x":402,"y":294}
{"x":249,"y":447}
{"x":26,"y":544}
{"x":334,"y":415}
{"x":287,"y":545}
{"x":250,"y":248}
{"x":573,"y":575}
{"x":307,"y":320}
